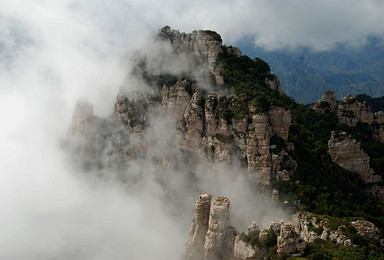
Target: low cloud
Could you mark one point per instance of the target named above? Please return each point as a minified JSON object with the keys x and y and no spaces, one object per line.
{"x":54,"y":52}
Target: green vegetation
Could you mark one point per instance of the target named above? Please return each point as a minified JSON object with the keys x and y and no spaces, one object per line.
{"x":252,"y":238}
{"x":214,"y":35}
{"x":246,"y":77}
{"x":225,"y":138}
{"x":324,"y":250}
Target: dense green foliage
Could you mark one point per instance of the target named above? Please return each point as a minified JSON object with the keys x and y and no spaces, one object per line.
{"x":324,"y":250}
{"x":214,"y":35}
{"x":253,"y":239}
{"x":246,"y":77}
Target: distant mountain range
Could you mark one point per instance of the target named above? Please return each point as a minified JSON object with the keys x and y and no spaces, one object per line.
{"x":305,"y":74}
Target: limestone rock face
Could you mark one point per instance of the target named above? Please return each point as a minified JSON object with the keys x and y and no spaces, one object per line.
{"x":289,"y":243}
{"x":280,"y":119}
{"x":207,"y":130}
{"x":244,"y":251}
{"x":199,"y":228}
{"x":346,"y":152}
{"x":311,"y":227}
{"x":203,"y":43}
{"x":176,"y":98}
{"x":79,"y":128}
{"x":218,"y":221}
{"x":351,"y":111}
{"x":327,"y":103}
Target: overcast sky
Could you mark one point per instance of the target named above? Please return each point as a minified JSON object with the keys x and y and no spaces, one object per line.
{"x":53,"y":52}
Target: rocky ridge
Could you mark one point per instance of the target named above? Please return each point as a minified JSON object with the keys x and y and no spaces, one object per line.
{"x":223,"y":242}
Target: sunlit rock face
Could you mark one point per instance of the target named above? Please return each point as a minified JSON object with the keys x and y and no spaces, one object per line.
{"x":346,"y":152}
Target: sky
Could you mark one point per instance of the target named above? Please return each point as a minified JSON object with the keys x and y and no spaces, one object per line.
{"x":53,"y":52}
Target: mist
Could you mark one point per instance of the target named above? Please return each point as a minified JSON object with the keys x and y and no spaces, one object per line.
{"x":54,"y":52}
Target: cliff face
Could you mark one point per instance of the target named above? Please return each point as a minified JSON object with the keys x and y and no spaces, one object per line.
{"x":204,"y":128}
{"x":210,"y":126}
{"x":346,"y":152}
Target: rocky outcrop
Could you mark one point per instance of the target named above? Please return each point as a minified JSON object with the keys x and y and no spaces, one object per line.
{"x":289,"y":243}
{"x":205,"y":44}
{"x":327,"y":103}
{"x":244,"y":251}
{"x":351,"y":110}
{"x":210,"y":237}
{"x":199,"y":228}
{"x":214,"y":239}
{"x":347,"y":153}
{"x":213,"y":131}
{"x":176,"y":98}
{"x":311,"y":227}
{"x":218,"y":221}
{"x":366,"y":229}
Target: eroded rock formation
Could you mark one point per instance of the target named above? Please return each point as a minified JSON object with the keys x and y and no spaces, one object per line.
{"x":327,"y":103}
{"x":222,"y":242}
{"x":346,"y":152}
{"x":311,"y":227}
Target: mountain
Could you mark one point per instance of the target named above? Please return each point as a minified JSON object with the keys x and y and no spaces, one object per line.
{"x":195,"y":118}
{"x":306,"y":74}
